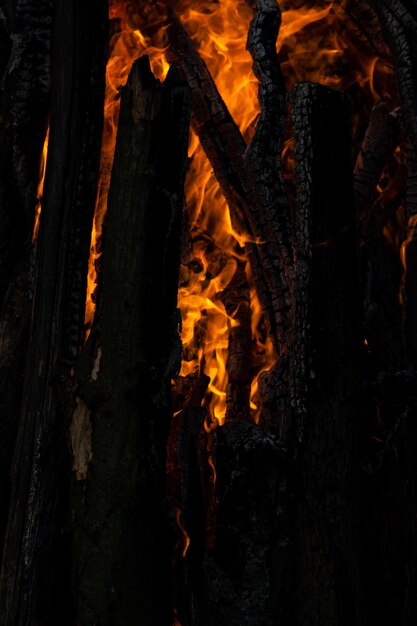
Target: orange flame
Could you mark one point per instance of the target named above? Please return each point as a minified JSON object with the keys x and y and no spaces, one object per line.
{"x":39,"y":193}
{"x":313,"y":46}
{"x":185,"y":535}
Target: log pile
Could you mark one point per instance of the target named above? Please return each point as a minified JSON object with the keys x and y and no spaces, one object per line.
{"x":115,"y":506}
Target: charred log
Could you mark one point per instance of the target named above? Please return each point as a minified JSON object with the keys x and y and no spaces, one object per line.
{"x":28,"y":583}
{"x":236,"y":300}
{"x":121,"y":536}
{"x":325,"y":483}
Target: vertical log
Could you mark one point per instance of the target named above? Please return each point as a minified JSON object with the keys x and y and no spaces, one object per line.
{"x":28,"y":585}
{"x":25,"y":39}
{"x":122,"y":558}
{"x":326,"y":539}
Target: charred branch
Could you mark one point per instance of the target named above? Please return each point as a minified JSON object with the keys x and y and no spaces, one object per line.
{"x":399,"y":23}
{"x":381,"y":138}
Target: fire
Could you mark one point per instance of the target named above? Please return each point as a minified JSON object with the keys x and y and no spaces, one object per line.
{"x":313,"y":46}
{"x":41,"y":183}
{"x":126,"y":47}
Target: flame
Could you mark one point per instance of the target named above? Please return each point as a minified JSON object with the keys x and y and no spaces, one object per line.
{"x":185,"y":535}
{"x":126,"y":47}
{"x":313,"y":46}
{"x":39,"y":192}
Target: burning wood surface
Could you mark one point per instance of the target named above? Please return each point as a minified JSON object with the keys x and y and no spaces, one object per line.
{"x":313,"y":45}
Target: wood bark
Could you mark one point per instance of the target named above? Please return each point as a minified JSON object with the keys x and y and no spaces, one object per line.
{"x":25,"y":40}
{"x":324,"y":486}
{"x":29,"y":584}
{"x":121,"y":533}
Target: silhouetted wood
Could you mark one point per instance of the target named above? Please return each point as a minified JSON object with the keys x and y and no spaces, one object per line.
{"x":25,"y":39}
{"x":28,"y":586}
{"x":324,"y":487}
{"x":122,"y":552}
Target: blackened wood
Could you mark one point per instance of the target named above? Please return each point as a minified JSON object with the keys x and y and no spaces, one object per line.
{"x":384,"y":207}
{"x":399,"y":24}
{"x":361,"y":20}
{"x":27,"y":87}
{"x":265,"y":149}
{"x":121,"y":543}
{"x":28,"y":579}
{"x":381,"y":138}
{"x":326,"y":585}
{"x":24,"y":105}
{"x":251,"y":540}
{"x":14,"y":319}
{"x":254,"y":211}
{"x":236,"y":300}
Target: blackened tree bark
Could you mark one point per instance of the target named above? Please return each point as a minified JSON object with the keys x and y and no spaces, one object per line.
{"x":25,"y":40}
{"x":325,"y":482}
{"x":123,"y":407}
{"x":28,"y":586}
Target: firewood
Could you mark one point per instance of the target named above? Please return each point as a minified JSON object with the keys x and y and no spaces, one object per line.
{"x":26,"y":100}
{"x":381,"y":138}
{"x":247,"y":195}
{"x":124,"y":378}
{"x":30,"y":586}
{"x":25,"y":40}
{"x":399,"y":24}
{"x":362,"y":22}
{"x":325,"y":367}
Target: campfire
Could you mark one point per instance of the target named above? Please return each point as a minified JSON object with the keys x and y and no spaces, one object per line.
{"x":209,"y":313}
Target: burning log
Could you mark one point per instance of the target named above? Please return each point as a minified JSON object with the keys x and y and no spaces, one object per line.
{"x":256,"y":212}
{"x":28,"y":585}
{"x":325,"y":481}
{"x":121,"y":538}
{"x":275,"y":539}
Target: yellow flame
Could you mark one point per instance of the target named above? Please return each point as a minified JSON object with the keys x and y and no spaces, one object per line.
{"x":313,"y":46}
{"x":39,"y":193}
